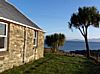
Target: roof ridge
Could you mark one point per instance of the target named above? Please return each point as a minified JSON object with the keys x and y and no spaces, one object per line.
{"x":23,"y":14}
{"x":10,"y":11}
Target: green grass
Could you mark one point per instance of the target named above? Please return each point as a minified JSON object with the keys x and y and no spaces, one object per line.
{"x":57,"y":64}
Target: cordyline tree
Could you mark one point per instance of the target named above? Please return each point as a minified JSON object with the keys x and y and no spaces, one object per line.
{"x":54,"y":41}
{"x":81,"y":20}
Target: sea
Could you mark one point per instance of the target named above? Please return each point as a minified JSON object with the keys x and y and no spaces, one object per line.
{"x":78,"y":45}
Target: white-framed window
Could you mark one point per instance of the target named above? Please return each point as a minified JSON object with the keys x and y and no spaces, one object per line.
{"x":3,"y":36}
{"x":35,"y":37}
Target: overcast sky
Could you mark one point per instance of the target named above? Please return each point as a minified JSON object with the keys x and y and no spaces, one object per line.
{"x":53,"y":15}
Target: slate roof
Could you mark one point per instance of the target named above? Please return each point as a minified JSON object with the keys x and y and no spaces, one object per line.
{"x":9,"y":11}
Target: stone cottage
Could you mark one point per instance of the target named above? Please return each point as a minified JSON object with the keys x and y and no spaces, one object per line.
{"x":21,"y":40}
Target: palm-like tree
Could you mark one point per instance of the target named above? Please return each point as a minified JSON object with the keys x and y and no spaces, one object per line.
{"x":54,"y":41}
{"x":82,"y":19}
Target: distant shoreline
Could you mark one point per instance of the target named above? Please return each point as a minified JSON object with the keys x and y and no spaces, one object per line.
{"x":83,"y":40}
{"x":95,"y":54}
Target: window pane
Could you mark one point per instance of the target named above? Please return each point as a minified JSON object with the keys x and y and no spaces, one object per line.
{"x":34,"y":41}
{"x":2,"y":29}
{"x":2,"y":42}
{"x":35,"y":38}
{"x":35,"y":34}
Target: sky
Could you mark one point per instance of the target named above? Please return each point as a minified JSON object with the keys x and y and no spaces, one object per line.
{"x":53,"y":15}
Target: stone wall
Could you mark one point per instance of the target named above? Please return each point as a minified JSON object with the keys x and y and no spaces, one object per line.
{"x":29,"y":53}
{"x":40,"y":46}
{"x":32,"y":52}
{"x":20,"y":47}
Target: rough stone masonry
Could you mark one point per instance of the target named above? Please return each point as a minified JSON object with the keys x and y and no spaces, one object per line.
{"x":20,"y":48}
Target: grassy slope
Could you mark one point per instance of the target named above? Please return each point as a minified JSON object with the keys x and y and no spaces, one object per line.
{"x":56,"y":64}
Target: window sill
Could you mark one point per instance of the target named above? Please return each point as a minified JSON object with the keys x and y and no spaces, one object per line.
{"x":2,"y":49}
{"x":34,"y":46}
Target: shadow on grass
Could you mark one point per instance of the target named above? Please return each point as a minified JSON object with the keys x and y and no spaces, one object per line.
{"x":57,"y":64}
{"x":88,"y":67}
{"x":37,"y":63}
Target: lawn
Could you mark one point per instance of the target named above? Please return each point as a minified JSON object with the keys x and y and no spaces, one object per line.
{"x":57,"y":64}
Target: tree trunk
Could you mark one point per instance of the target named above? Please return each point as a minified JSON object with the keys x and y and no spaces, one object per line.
{"x":87,"y":47}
